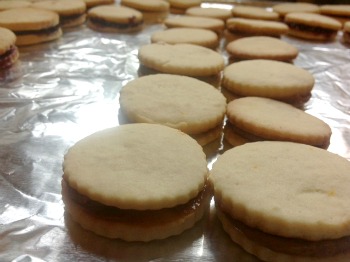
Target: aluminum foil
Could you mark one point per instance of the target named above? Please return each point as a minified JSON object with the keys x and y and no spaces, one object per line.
{"x":62,"y":91}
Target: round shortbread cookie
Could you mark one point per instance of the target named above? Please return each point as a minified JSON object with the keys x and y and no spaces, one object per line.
{"x":285,"y":8}
{"x":261,"y":47}
{"x":287,"y":193}
{"x":4,"y":5}
{"x":242,"y":27}
{"x":112,"y":18}
{"x":180,"y":6}
{"x":165,"y":99}
{"x":254,"y":12}
{"x":339,"y":12}
{"x":312,"y":26}
{"x":195,"y":36}
{"x":181,"y":59}
{"x":72,"y":13}
{"x":153,"y":11}
{"x":213,"y":24}
{"x":31,"y":25}
{"x":269,"y":119}
{"x":268,"y":78}
{"x":212,"y":12}
{"x":141,"y":175}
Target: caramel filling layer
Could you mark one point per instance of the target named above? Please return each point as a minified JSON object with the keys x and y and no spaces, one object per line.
{"x":132,"y":23}
{"x":140,"y":217}
{"x":292,"y":246}
{"x":312,"y":29}
{"x":9,"y":57}
{"x":44,"y":31}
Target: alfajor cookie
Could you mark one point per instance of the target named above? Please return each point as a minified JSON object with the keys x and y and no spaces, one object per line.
{"x":268,"y":78}
{"x":243,"y":27}
{"x":112,"y":19}
{"x":338,"y":12}
{"x":284,"y":201}
{"x":181,"y":59}
{"x":312,"y":26}
{"x":136,"y":182}
{"x":93,"y":3}
{"x":195,"y":36}
{"x":4,"y":5}
{"x":346,"y":32}
{"x":285,"y":8}
{"x":153,"y":11}
{"x":257,"y":119}
{"x":180,"y":6}
{"x":72,"y":13}
{"x":261,"y":47}
{"x":214,"y":24}
{"x":254,"y":12}
{"x":8,"y":49}
{"x":212,"y":12}
{"x":31,"y":25}
{"x":180,"y":102}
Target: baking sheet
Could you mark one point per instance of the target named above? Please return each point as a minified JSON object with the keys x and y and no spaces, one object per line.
{"x":62,"y":91}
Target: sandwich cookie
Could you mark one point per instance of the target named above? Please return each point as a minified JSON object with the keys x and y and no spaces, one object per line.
{"x":195,"y":36}
{"x":252,"y":119}
{"x":8,"y":50}
{"x":153,"y":11}
{"x":181,"y":59}
{"x":346,"y":33}
{"x":114,"y":19}
{"x":180,"y":102}
{"x":136,"y":182}
{"x":284,"y":201}
{"x":261,"y":47}
{"x":212,"y":12}
{"x":214,"y":24}
{"x":4,"y":5}
{"x":312,"y":26}
{"x":285,"y":8}
{"x":72,"y":13}
{"x":31,"y":25}
{"x":254,"y":12}
{"x":93,"y":3}
{"x":338,"y":12}
{"x":243,"y":27}
{"x":180,"y":6}
{"x":268,"y":78}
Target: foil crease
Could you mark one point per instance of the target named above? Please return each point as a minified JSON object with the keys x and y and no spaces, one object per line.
{"x":59,"y":92}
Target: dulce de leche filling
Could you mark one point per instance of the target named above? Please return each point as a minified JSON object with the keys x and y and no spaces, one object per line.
{"x":292,"y":246}
{"x":44,"y":31}
{"x":132,"y":23}
{"x":329,"y":33}
{"x":9,"y":57}
{"x":139,"y":217}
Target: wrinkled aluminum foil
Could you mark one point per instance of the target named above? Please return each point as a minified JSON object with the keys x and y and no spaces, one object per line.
{"x":62,"y":91}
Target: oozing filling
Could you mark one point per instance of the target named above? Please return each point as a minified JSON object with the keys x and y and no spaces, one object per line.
{"x":137,"y":216}
{"x":43,"y":31}
{"x":312,"y":29}
{"x":132,"y":23}
{"x":292,"y":246}
{"x":9,"y":57}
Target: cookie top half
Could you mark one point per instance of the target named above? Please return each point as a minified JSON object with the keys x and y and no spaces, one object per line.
{"x":137,"y":166}
{"x":181,"y":59}
{"x":115,"y":14}
{"x":168,"y":99}
{"x":148,"y":6}
{"x":286,"y":189}
{"x":275,"y":120}
{"x":62,"y":7}
{"x":7,"y":39}
{"x":267,"y":78}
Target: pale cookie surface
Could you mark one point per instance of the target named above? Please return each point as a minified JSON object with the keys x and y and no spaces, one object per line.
{"x":62,"y":7}
{"x":182,"y":59}
{"x":286,"y":8}
{"x":168,"y":99}
{"x":311,"y":19}
{"x":274,"y":120}
{"x":195,"y":36}
{"x":137,"y":166}
{"x":209,"y":23}
{"x":254,"y":12}
{"x":212,"y":12}
{"x":273,"y":79}
{"x":4,"y":5}
{"x":262,"y":47}
{"x":149,"y":5}
{"x":286,"y":189}
{"x":7,"y":39}
{"x":254,"y":26}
